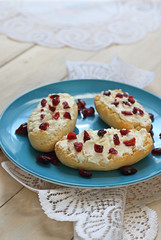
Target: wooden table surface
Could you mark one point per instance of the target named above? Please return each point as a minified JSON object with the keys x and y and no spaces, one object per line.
{"x":24,"y":66}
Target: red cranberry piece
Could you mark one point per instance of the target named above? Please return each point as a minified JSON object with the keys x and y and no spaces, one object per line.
{"x":156,"y":151}
{"x":44,"y":125}
{"x":84,"y":113}
{"x":43,"y":159}
{"x":124,"y":132}
{"x":65,"y":105}
{"x":101,"y":132}
{"x":42,"y":110}
{"x":107,"y":93}
{"x":127,"y":113}
{"x":98,"y":148}
{"x":115,"y":103}
{"x":55,"y":100}
{"x":160,"y":135}
{"x":86,"y":136}
{"x":78,"y":146}
{"x":141,"y":112}
{"x":127,"y":170}
{"x":151,"y":133}
{"x":87,"y":112}
{"x":53,"y":159}
{"x":43,"y":102}
{"x":113,"y":151}
{"x":67,"y":115}
{"x":116,"y":139}
{"x":84,"y":173}
{"x":52,"y":108}
{"x":54,"y":96}
{"x":22,"y":129}
{"x":71,"y":136}
{"x":126,"y":103}
{"x":151,"y":128}
{"x":81,"y":104}
{"x":130,"y":142}
{"x":135,"y":110}
{"x":56,"y":116}
{"x":131,"y":99}
{"x":119,"y":95}
{"x":151,"y":116}
{"x":125,"y":94}
{"x":42,"y":116}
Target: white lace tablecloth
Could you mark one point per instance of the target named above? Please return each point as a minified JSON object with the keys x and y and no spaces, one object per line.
{"x":87,"y":25}
{"x":115,"y":213}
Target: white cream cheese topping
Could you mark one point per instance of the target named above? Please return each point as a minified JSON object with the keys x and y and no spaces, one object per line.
{"x":144,"y":120}
{"x":88,"y":153}
{"x":35,"y":117}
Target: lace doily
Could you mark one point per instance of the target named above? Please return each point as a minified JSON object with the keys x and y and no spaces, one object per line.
{"x":117,"y":213}
{"x":88,"y":25}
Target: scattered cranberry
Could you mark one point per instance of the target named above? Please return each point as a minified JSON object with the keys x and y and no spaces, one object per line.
{"x":125,"y":94}
{"x":156,"y":151}
{"x":126,"y":103}
{"x":160,"y":135}
{"x":151,"y":116}
{"x":101,"y":132}
{"x":22,"y":129}
{"x":52,"y":108}
{"x":81,"y":104}
{"x":98,"y":148}
{"x":71,"y":136}
{"x":42,"y":110}
{"x":115,"y":103}
{"x":119,"y":95}
{"x":127,"y":170}
{"x":53,"y":159}
{"x":113,"y":151}
{"x":43,"y":159}
{"x":67,"y":115}
{"x":84,"y":173}
{"x":131,"y":99}
{"x":55,"y":99}
{"x":87,"y":112}
{"x":130,"y":142}
{"x":86,"y":136}
{"x":43,"y":102}
{"x":42,"y":116}
{"x":135,"y":110}
{"x":124,"y":132}
{"x":151,"y":128}
{"x":127,"y":113}
{"x":44,"y":125}
{"x":56,"y":116}
{"x":116,"y":139}
{"x":90,"y":111}
{"x":78,"y":146}
{"x":107,"y":93}
{"x":65,"y":105}
{"x":54,"y":96}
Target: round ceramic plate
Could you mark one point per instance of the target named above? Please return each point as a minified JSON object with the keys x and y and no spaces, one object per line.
{"x":19,"y":151}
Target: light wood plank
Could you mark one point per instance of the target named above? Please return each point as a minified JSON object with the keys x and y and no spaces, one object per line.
{"x":10,"y":49}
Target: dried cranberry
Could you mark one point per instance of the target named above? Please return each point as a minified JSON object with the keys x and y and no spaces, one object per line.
{"x":67,"y":115}
{"x":151,"y":133}
{"x":115,"y":103}
{"x":160,"y":135}
{"x":135,"y":110}
{"x":54,"y":96}
{"x":127,"y":170}
{"x":42,"y":116}
{"x":101,"y":132}
{"x":56,"y":116}
{"x":52,"y":108}
{"x":119,"y":95}
{"x":71,"y":136}
{"x":107,"y":93}
{"x":55,"y":100}
{"x":86,"y":136}
{"x":141,"y":112}
{"x":43,"y":159}
{"x":84,"y":173}
{"x":65,"y":105}
{"x":125,"y":94}
{"x":116,"y":139}
{"x":156,"y":151}
{"x":87,"y":112}
{"x":151,"y":116}
{"x":127,"y":113}
{"x":42,"y":110}
{"x":113,"y":151}
{"x":124,"y":132}
{"x":130,"y":142}
{"x":126,"y":103}
{"x":53,"y":159}
{"x":78,"y":146}
{"x":90,"y":111}
{"x":131,"y":99}
{"x":98,"y":148}
{"x":44,"y":125}
{"x":43,"y":102}
{"x":22,"y":129}
{"x":81,"y":104}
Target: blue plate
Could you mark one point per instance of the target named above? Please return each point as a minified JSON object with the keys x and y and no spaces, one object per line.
{"x":19,"y":151}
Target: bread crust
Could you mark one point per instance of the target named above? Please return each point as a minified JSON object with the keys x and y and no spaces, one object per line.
{"x":115,"y":162}
{"x":112,"y":118}
{"x":45,"y":141}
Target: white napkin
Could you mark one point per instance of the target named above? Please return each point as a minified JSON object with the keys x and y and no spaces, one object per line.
{"x":117,"y":213}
